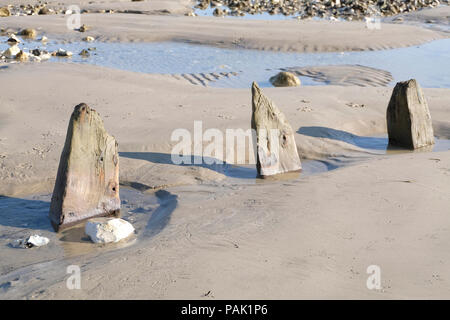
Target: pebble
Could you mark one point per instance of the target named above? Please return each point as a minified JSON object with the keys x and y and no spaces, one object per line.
{"x":11,"y":52}
{"x":13,"y":40}
{"x":62,"y":53}
{"x":285,"y":79}
{"x":36,"y":241}
{"x":83,"y":28}
{"x":4,"y":12}
{"x":88,"y":39}
{"x":85,"y":53}
{"x":30,"y":242}
{"x":22,"y":56}
{"x":29,"y":33}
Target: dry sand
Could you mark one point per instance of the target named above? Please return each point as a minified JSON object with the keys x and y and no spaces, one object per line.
{"x":141,"y":124}
{"x":310,"y":237}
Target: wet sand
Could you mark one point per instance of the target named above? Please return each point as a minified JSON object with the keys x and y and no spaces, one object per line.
{"x":286,"y":36}
{"x":311,"y":236}
{"x":436,"y":19}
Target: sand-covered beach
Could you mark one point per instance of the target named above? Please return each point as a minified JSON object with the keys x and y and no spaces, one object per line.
{"x":218,"y":231}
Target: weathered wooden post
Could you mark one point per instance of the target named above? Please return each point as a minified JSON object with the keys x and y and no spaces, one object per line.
{"x":276,"y":151}
{"x":87,"y":183}
{"x":408,"y":117}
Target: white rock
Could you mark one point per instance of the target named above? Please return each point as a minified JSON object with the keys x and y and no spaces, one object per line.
{"x":34,"y":58}
{"x":104,"y":230}
{"x":45,"y":56}
{"x":11,"y":52}
{"x":36,"y":241}
{"x":88,"y":39}
{"x":44,"y":39}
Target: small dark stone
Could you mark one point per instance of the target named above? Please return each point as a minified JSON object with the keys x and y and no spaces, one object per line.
{"x":44,"y":11}
{"x":83,"y":28}
{"x":36,"y":52}
{"x":85,"y":53}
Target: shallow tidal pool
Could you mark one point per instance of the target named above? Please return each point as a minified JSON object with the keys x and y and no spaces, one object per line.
{"x":237,"y":68}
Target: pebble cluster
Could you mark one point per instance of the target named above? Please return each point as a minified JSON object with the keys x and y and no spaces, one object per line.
{"x":304,"y":9}
{"x":41,"y":8}
{"x":16,"y":54}
{"x":26,"y":10}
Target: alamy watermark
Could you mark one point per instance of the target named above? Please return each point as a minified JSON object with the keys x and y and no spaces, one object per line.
{"x":214,"y":146}
{"x":73,"y":20}
{"x":74,"y":280}
{"x":373,"y":22}
{"x":374,"y":280}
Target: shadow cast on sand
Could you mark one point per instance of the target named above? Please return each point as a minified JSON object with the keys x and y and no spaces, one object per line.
{"x":373,"y":143}
{"x":160,"y":218}
{"x":24,"y":213}
{"x":33,"y":214}
{"x":370,"y":143}
{"x":231,"y":171}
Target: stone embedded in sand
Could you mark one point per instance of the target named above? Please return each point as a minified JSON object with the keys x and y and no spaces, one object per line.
{"x":62,"y":53}
{"x":11,"y":52}
{"x":103,"y":230}
{"x":44,"y":11}
{"x":13,"y":40}
{"x":39,"y":55}
{"x":408,"y":117}
{"x":219,"y":12}
{"x":34,"y":58}
{"x":4,"y":12}
{"x":36,"y":241}
{"x":21,"y":56}
{"x":88,"y":39}
{"x":29,"y":33}
{"x":85,"y":53}
{"x":87,"y":184}
{"x":83,"y":28}
{"x":276,"y":151}
{"x":36,"y":52}
{"x":285,"y":79}
{"x":203,"y":4}
{"x":30,"y":242}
